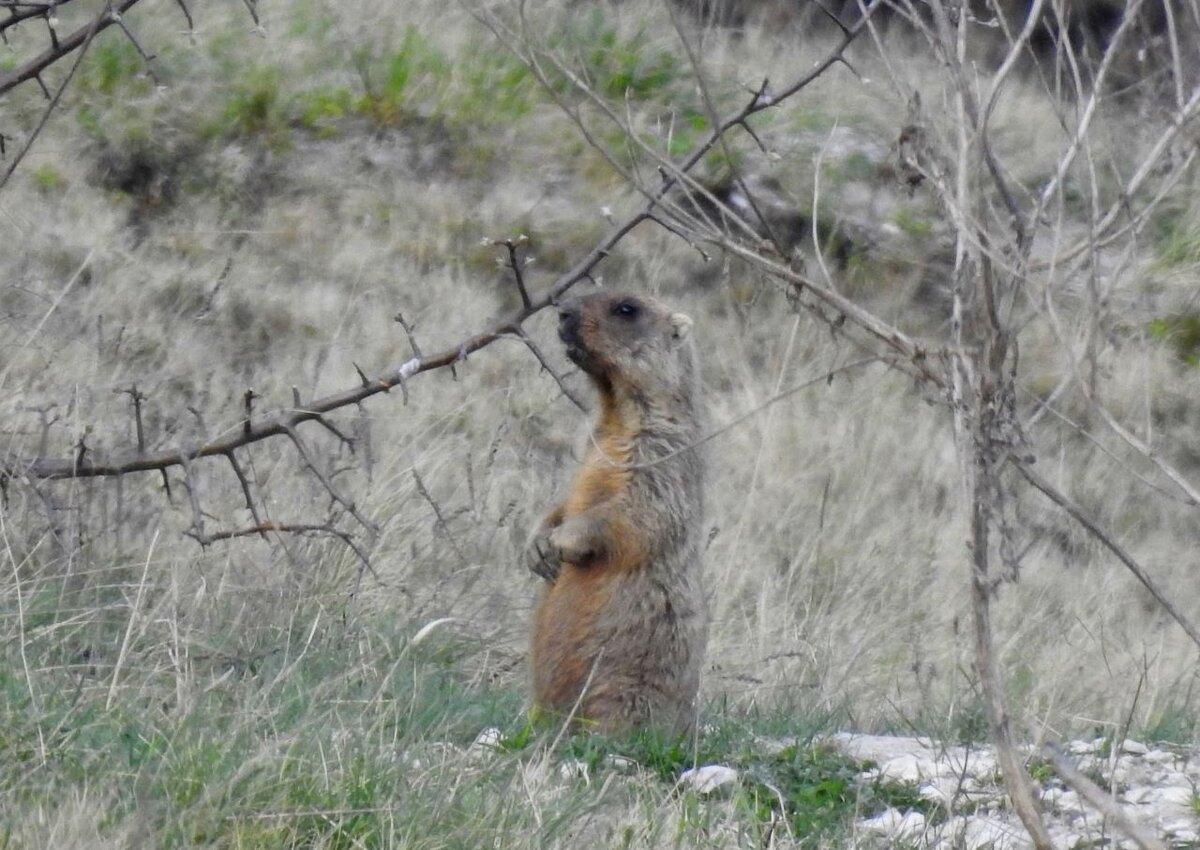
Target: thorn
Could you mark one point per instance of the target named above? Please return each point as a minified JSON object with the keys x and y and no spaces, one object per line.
{"x":248,"y":400}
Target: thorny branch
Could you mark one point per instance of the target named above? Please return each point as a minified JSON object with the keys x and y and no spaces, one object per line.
{"x":61,"y":47}
{"x":262,"y":529}
{"x":33,"y":69}
{"x":284,"y":422}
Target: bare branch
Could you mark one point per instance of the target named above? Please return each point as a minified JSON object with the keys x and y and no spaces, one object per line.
{"x":537,"y":352}
{"x":281,"y":422}
{"x":245,"y":484}
{"x":515,"y":263}
{"x":1055,"y":495}
{"x":137,"y":398}
{"x":327,"y":484}
{"x":81,"y":38}
{"x":186,"y":14}
{"x":252,"y":7}
{"x":442,"y":525}
{"x":189,"y":484}
{"x":303,"y":529}
{"x":408,"y":332}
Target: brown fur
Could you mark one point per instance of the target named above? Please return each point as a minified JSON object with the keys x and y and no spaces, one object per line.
{"x":622,"y":624}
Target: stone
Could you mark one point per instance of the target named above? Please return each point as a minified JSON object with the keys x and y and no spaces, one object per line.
{"x":1139,"y":795}
{"x":1156,"y":788}
{"x":624,"y":764}
{"x":879,"y":748}
{"x":994,"y":834}
{"x":708,"y":778}
{"x":1160,"y":757}
{"x":574,"y":769}
{"x":1183,"y":831}
{"x":489,"y":738}
{"x":896,"y":825}
{"x":1175,"y":795}
{"x":910,"y":767}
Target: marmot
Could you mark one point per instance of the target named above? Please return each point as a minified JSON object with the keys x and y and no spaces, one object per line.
{"x":621,"y":627}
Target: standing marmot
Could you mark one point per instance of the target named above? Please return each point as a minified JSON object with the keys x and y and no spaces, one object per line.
{"x":623,"y":614}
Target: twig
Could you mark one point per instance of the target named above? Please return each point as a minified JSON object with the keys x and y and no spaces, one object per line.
{"x":186,"y":14}
{"x":146,"y":57}
{"x":189,"y":484}
{"x":248,"y":404}
{"x":1076,"y":512}
{"x":245,"y":484}
{"x":252,"y":7}
{"x":514,"y":262}
{"x":327,"y":484}
{"x":537,"y":352}
{"x":261,"y":529}
{"x":137,"y":398}
{"x":408,"y":332}
{"x":81,"y":37}
{"x":440,"y":518}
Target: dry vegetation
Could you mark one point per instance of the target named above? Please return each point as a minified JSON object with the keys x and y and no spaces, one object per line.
{"x":258,"y":219}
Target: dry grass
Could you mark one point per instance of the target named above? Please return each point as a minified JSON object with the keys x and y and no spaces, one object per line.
{"x":278,"y":256}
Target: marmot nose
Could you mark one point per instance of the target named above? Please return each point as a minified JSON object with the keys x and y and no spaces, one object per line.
{"x":568,"y":315}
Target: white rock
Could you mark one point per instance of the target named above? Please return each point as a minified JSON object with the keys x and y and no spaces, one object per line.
{"x":1160,"y":757}
{"x":708,"y":778}
{"x":573,"y":769}
{"x":1182,"y":831}
{"x":994,"y":834}
{"x":880,"y":748}
{"x":940,"y":791}
{"x":1082,"y":748}
{"x":1063,"y":800}
{"x":911,"y":767}
{"x":488,"y":739}
{"x":1063,"y":837}
{"x":1175,"y":795}
{"x":980,"y":765}
{"x":1134,"y":748}
{"x":896,"y":825}
{"x":622,"y":763}
{"x":1139,"y":795}
{"x":776,"y":746}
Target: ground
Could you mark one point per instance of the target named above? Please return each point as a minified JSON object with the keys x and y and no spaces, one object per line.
{"x":256,"y":217}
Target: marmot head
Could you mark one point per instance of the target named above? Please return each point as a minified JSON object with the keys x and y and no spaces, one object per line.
{"x":631,"y":345}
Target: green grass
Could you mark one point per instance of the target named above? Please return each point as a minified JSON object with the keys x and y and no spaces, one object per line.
{"x":1182,"y":333}
{"x":615,"y":64}
{"x":114,"y":65}
{"x":48,"y":178}
{"x":304,"y":732}
{"x":320,"y":747}
{"x":1176,"y":236}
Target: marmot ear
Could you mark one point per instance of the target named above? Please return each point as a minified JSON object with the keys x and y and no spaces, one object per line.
{"x":681,"y":326}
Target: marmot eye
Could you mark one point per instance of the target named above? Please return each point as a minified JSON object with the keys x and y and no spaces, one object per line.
{"x":627,"y":309}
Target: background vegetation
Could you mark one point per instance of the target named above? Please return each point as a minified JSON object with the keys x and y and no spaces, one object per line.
{"x":253,"y":207}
